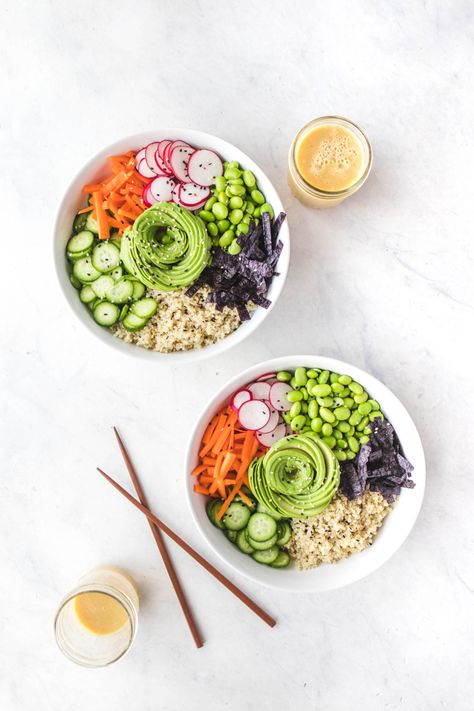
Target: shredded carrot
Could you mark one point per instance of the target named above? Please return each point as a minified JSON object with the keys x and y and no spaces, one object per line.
{"x":226,"y":453}
{"x":85,"y":209}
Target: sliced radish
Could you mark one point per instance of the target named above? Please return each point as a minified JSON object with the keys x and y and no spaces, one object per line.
{"x":204,"y":167}
{"x":278,"y":393}
{"x":192,"y":195}
{"x":272,"y":423}
{"x":150,"y":157}
{"x":145,"y":170}
{"x":175,"y":192}
{"x":254,"y":414}
{"x":269,"y":438}
{"x":260,"y":391}
{"x":145,"y":195}
{"x":266,"y":376}
{"x":139,"y":155}
{"x":239,"y":398}
{"x":162,"y":148}
{"x":161,"y":188}
{"x":178,"y":160}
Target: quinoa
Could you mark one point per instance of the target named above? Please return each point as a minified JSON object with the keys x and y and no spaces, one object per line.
{"x":344,"y":527}
{"x":182,"y":323}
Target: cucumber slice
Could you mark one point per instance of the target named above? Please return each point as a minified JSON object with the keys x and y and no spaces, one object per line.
{"x":82,"y":242}
{"x":145,"y":308}
{"x":123,"y":312}
{"x":105,"y":257}
{"x":102,"y":286}
{"x":106,"y":314}
{"x":262,"y":545}
{"x":236,"y":517}
{"x":282,"y":560}
{"x":263,"y":509}
{"x":75,"y":256}
{"x":79,"y":223}
{"x":138,"y":290}
{"x":91,"y":224}
{"x":266,"y":557}
{"x":284,"y":533}
{"x":75,"y":281}
{"x":212,"y":509}
{"x":261,"y":527}
{"x":133,"y":323}
{"x":93,"y":304}
{"x":87,"y":295}
{"x":231,"y":535}
{"x":116,"y":273}
{"x":121,"y":291}
{"x":243,"y":542}
{"x":85,"y":271}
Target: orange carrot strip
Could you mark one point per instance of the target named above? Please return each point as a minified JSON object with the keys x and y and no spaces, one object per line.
{"x":101,"y":215}
{"x":85,"y":209}
{"x":91,"y":187}
{"x":200,"y":489}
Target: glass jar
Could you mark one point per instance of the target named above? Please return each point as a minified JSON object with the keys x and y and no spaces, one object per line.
{"x":315,"y":197}
{"x":99,"y":635}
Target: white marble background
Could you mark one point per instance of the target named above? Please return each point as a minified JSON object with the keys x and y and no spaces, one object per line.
{"x":384,"y":281}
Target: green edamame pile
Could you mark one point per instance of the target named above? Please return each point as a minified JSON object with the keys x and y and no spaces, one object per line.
{"x":234,"y":203}
{"x":334,"y":406}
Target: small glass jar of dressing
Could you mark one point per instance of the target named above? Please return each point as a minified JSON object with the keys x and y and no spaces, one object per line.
{"x":330,"y":159}
{"x":97,"y":621}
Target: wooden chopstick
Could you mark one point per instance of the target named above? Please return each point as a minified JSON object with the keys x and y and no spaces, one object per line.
{"x":194,"y":554}
{"x":161,"y":545}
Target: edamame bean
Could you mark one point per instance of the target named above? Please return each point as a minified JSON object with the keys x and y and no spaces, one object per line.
{"x":355,"y":418}
{"x":297,"y":423}
{"x":226,"y":238}
{"x":220,"y":183}
{"x":375,"y":405}
{"x":342,"y":413}
{"x":340,"y":455}
{"x":232,"y":173}
{"x":353,"y":444}
{"x":359,"y":399}
{"x":220,"y":210}
{"x":321,"y":390}
{"x":266,"y":207}
{"x":249,"y":178}
{"x":249,"y":208}
{"x":222,"y":197}
{"x":363,"y":439}
{"x":337,"y":388}
{"x":327,"y":429}
{"x":345,"y":392}
{"x":342,"y":443}
{"x":304,"y":392}
{"x":210,"y":202}
{"x":312,"y":373}
{"x":326,"y":414}
{"x":212,"y":229}
{"x":343,"y":427}
{"x":257,"y":197}
{"x":304,"y":407}
{"x":295,"y":409}
{"x":365,"y":408}
{"x":345,"y":379}
{"x":362,"y":424}
{"x":236,"y":216}
{"x":374,"y":415}
{"x":316,"y":424}
{"x":286,"y":416}
{"x":293,"y":383}
{"x":207,"y":216}
{"x":242,"y":228}
{"x":351,"y":455}
{"x":325,"y":401}
{"x":333,"y":378}
{"x":323,"y":377}
{"x":348,"y":402}
{"x":238,"y":190}
{"x":235,"y":202}
{"x":300,"y":376}
{"x":238,"y":181}
{"x":284,"y":376}
{"x":223,"y":225}
{"x":313,"y":409}
{"x":351,"y":431}
{"x":356,"y":388}
{"x":245,"y":219}
{"x":310,"y":384}
{"x":234,"y":247}
{"x":256,"y":212}
{"x":294,"y":396}
{"x":330,"y":441}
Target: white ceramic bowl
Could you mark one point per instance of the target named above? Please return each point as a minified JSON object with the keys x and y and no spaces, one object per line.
{"x":396,"y":527}
{"x":73,"y":200}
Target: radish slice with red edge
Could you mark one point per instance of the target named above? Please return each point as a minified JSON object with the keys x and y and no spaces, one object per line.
{"x":272,"y":423}
{"x":139,"y":155}
{"x":278,"y":393}
{"x":178,"y":160}
{"x":146,"y":195}
{"x":150,"y":157}
{"x":253,"y":415}
{"x":162,"y":148}
{"x":269,"y":438}
{"x":145,"y":170}
{"x":239,"y":398}
{"x":204,"y":167}
{"x":192,"y":195}
{"x":170,"y":148}
{"x":260,"y":391}
{"x":161,"y":188}
{"x":163,"y":167}
{"x":175,"y":193}
{"x":266,"y":376}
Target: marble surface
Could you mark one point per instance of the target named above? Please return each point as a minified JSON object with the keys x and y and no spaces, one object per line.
{"x":384,"y":281}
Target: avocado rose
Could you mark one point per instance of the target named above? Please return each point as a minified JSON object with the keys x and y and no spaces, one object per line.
{"x":167,"y":248}
{"x":297,"y":477}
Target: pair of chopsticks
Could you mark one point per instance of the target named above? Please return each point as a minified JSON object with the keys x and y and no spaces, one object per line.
{"x":156,"y":525}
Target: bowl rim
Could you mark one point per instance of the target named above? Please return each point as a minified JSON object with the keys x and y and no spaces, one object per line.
{"x":175,"y":357}
{"x":279,"y":363}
